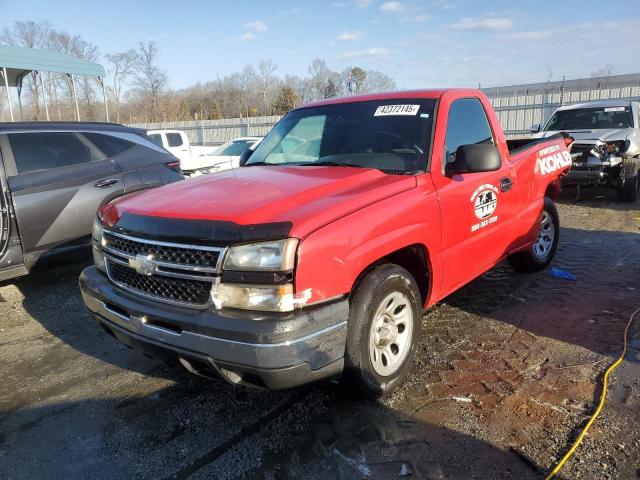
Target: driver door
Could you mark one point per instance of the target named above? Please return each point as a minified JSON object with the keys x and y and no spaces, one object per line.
{"x":476,"y":208}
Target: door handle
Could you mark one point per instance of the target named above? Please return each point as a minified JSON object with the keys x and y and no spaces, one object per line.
{"x":105,"y":183}
{"x":505,"y":184}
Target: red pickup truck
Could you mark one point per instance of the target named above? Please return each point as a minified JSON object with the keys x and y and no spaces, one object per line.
{"x":317,"y":256}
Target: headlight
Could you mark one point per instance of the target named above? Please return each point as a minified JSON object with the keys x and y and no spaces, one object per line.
{"x":273,"y":298}
{"x":277,"y":256}
{"x":96,"y":230}
{"x":96,"y":247}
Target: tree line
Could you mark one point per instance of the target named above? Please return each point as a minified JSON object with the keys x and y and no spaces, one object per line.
{"x":138,"y":88}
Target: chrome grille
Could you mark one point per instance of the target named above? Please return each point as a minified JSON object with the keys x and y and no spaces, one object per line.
{"x":174,"y":290}
{"x":188,"y":257}
{"x":168,"y":272}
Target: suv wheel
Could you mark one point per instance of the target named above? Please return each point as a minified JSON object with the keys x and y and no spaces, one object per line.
{"x":628,"y":183}
{"x":544,"y":248}
{"x":384,"y":328}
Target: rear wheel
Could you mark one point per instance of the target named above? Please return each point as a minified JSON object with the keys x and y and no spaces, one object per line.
{"x":629,"y":183}
{"x":544,"y":248}
{"x":384,"y":328}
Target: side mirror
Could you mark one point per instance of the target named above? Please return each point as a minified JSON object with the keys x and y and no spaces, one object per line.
{"x":475,"y":158}
{"x":535,"y":128}
{"x":244,"y":156}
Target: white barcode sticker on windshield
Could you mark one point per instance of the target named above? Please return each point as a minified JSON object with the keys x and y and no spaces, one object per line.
{"x":384,"y":110}
{"x":614,"y":109}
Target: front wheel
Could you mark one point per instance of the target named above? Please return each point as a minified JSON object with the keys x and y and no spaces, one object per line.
{"x":542,"y":251}
{"x":629,"y":181}
{"x":384,"y":328}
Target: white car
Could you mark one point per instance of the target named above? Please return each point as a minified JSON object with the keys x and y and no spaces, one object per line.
{"x":177,"y":143}
{"x":225,"y":157}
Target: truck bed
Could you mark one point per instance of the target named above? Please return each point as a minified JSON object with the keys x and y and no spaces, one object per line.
{"x":518,"y":145}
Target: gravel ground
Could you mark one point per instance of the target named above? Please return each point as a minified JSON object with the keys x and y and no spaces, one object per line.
{"x":507,"y":373}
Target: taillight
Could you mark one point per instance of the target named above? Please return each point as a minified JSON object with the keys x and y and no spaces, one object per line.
{"x":175,"y":166}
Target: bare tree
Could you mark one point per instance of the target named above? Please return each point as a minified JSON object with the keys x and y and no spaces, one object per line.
{"x":268,"y":82}
{"x":606,"y":71}
{"x":376,"y":81}
{"x":151,"y":80}
{"x":319,"y":76}
{"x":123,"y":66}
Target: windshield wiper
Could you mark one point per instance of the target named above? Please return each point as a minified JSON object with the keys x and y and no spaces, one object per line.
{"x":259,"y":163}
{"x":328,"y":164}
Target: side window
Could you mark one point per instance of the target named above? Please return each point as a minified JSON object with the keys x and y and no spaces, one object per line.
{"x":108,"y":144}
{"x":35,"y":152}
{"x":467,"y":124}
{"x":155,"y":138}
{"x":174,"y":139}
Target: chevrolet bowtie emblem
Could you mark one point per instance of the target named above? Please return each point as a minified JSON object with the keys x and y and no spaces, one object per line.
{"x":143,"y":264}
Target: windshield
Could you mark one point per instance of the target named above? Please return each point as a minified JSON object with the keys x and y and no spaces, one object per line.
{"x":234,"y":148}
{"x":590,"y":118}
{"x":389,"y":135}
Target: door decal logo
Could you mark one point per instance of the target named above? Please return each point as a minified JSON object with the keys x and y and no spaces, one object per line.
{"x":485,"y":200}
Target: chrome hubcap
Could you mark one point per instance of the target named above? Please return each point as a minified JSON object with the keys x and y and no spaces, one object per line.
{"x":391,"y":334}
{"x":546,"y":235}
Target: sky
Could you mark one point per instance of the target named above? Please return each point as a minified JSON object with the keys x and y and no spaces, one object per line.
{"x":420,"y":44}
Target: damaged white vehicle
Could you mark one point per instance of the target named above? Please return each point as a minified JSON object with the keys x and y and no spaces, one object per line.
{"x":607,"y":146}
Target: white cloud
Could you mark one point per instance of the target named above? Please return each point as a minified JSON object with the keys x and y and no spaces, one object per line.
{"x":255,"y":26}
{"x":242,"y":38}
{"x":392,"y":7}
{"x":347,"y":36}
{"x":368,"y":53}
{"x":528,"y":35}
{"x":490,"y":23}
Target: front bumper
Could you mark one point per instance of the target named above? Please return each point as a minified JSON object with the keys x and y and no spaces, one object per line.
{"x":269,"y":350}
{"x":586,"y":176}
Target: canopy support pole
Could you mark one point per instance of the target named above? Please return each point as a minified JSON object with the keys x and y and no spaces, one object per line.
{"x":44,"y":96}
{"x":6,"y":87}
{"x":75,"y":97}
{"x":20,"y":99}
{"x":104,"y":97}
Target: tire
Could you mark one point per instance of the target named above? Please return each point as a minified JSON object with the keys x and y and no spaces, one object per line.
{"x":629,"y":183}
{"x":541,"y":253}
{"x":384,"y":326}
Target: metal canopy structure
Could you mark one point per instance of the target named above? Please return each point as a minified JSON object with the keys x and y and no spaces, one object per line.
{"x":17,"y":62}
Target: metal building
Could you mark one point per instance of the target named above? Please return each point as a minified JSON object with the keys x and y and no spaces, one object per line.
{"x":520,"y":106}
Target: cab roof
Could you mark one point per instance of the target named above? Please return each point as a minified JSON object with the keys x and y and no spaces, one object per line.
{"x":599,"y":104}
{"x":66,"y":126}
{"x":433,"y":94}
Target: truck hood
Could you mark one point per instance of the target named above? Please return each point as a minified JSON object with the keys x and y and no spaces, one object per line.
{"x":605,"y":135}
{"x":307,"y":197}
{"x":204,"y":161}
